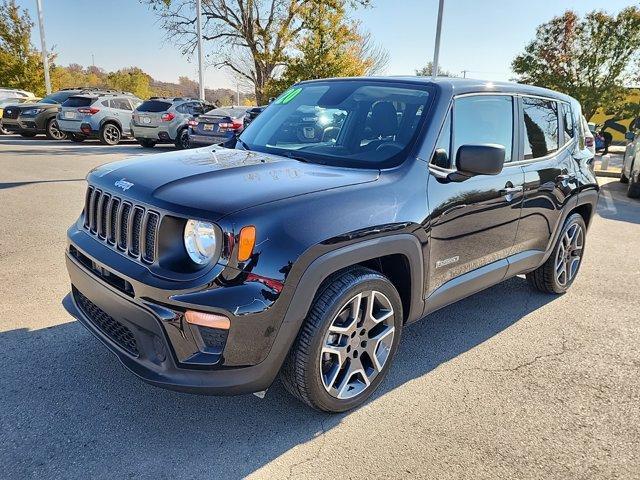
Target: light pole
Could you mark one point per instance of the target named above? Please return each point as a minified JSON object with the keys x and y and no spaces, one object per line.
{"x":45,"y":58}
{"x":436,"y":52}
{"x":200,"y":69}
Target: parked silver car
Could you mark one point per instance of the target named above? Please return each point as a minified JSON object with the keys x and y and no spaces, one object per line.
{"x":103,"y":115}
{"x":165,"y":120}
{"x":631,"y":163}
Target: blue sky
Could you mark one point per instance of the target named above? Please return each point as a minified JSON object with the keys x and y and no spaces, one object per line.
{"x":481,"y":36}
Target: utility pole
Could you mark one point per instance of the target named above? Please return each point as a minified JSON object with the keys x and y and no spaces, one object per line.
{"x":436,"y":52}
{"x":464,"y":73}
{"x":200,"y":69}
{"x":238,"y":93}
{"x":45,"y":57}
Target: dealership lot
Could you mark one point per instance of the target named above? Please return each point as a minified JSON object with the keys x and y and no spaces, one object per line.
{"x":507,"y":383}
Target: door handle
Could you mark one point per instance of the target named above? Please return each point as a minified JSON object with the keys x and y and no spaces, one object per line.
{"x":511,"y":190}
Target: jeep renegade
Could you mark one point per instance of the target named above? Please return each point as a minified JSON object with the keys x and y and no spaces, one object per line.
{"x":348,"y":209}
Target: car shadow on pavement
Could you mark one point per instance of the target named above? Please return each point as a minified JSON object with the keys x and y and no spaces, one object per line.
{"x":69,"y":409}
{"x":6,"y":185}
{"x":613,"y":203}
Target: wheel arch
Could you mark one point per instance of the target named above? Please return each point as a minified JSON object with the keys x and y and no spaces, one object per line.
{"x":398,"y":257}
{"x":111,"y":120}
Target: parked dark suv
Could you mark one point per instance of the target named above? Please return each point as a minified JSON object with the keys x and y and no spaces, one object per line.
{"x":306,"y":253}
{"x":31,"y":119}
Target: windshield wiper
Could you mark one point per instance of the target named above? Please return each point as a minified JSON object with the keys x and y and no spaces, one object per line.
{"x":244,"y":144}
{"x":293,"y":156}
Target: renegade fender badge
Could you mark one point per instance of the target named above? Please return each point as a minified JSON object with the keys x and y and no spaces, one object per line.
{"x":447,"y":261}
{"x":123,"y":184}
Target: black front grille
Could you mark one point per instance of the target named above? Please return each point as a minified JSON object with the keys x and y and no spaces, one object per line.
{"x":11,"y":113}
{"x":116,"y":331}
{"x":130,"y":228}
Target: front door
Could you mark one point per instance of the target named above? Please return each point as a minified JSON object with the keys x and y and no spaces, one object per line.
{"x":474,"y":222}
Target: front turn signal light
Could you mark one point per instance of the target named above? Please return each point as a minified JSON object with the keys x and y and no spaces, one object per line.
{"x":209,"y":320}
{"x":246,"y":243}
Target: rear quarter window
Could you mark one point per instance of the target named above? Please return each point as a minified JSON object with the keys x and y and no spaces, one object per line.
{"x":78,"y":102}
{"x":154,"y":106}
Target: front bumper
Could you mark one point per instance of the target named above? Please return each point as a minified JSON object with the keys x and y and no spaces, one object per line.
{"x":22,"y":125}
{"x":137,"y":332}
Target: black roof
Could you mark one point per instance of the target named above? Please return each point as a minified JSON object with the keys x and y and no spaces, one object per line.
{"x":457,"y":86}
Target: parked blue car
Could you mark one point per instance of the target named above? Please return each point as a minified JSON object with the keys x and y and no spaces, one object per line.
{"x":220,"y":126}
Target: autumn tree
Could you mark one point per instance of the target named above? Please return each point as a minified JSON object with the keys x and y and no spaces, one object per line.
{"x":330,"y":46}
{"x":252,"y":38}
{"x":132,"y":80}
{"x":20,"y":63}
{"x":588,"y":58}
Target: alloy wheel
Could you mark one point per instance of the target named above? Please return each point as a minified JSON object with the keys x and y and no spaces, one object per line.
{"x":357,"y":344}
{"x":569,"y":254}
{"x":55,"y":131}
{"x":111,"y":134}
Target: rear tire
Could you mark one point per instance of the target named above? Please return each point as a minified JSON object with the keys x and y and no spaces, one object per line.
{"x":557,"y":274}
{"x":182,"y":140}
{"x":76,"y":137}
{"x":347,"y":342}
{"x":110,"y":134}
{"x":53,"y":132}
{"x":147,"y":143}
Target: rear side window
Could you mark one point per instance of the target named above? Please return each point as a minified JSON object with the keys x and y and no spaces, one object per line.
{"x":120,"y":104}
{"x":78,"y":102}
{"x":541,"y":125}
{"x":483,"y":119}
{"x":154,"y":106}
{"x":569,"y":127}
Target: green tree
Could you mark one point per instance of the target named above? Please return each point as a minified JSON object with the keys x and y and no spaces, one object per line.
{"x":132,"y":80}
{"x":428,"y":68}
{"x":20,"y":63}
{"x":252,"y":38}
{"x":588,"y":58}
{"x":331,"y":46}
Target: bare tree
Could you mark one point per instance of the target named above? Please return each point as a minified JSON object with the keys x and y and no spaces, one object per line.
{"x":264,"y":28}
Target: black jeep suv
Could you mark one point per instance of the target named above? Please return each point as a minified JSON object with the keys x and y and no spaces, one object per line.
{"x":305,"y":255}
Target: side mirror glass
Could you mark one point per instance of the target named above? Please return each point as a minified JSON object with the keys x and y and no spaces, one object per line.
{"x":486,"y":159}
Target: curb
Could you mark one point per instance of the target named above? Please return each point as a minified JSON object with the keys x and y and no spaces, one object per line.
{"x":607,"y":173}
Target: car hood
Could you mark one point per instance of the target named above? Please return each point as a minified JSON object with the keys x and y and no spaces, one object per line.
{"x":23,"y":106}
{"x":212,"y":182}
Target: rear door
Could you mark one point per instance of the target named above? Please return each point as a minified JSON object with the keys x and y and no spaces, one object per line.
{"x":473,"y":222}
{"x":123,"y":111}
{"x":546,"y":156}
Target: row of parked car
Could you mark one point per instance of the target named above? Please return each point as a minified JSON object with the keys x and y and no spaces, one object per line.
{"x":78,"y":114}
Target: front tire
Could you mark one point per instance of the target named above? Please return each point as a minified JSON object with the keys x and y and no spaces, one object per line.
{"x":53,"y":132}
{"x":633,"y":190}
{"x":182,"y":140}
{"x":3,"y":131}
{"x":347,"y":342}
{"x":557,"y":274}
{"x":110,"y":134}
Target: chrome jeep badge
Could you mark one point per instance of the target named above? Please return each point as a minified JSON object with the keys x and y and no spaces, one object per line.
{"x":123,"y":184}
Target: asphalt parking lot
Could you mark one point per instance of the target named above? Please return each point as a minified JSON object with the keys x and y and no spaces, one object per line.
{"x":509,"y":383}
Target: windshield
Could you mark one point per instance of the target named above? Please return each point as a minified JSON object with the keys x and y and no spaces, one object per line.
{"x":354,"y":123}
{"x":57,"y":97}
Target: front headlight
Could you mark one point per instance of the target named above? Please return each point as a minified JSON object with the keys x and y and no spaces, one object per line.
{"x":32,"y":111}
{"x":200,"y":241}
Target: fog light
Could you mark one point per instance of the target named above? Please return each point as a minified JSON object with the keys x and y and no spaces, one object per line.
{"x":209,"y":320}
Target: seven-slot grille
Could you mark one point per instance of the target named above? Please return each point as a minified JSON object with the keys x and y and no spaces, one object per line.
{"x":121,"y":224}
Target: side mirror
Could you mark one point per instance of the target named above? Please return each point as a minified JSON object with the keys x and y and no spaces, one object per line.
{"x":487,"y":159}
{"x":630,"y":136}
